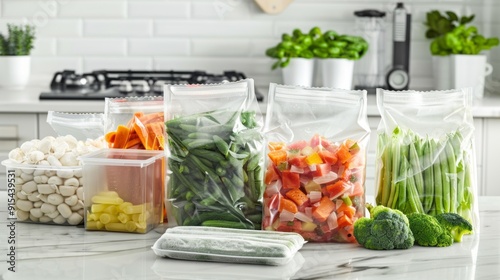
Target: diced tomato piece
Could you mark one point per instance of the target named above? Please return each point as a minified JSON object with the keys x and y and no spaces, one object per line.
{"x":328,"y":156}
{"x":292,"y":226}
{"x":278,"y":156}
{"x":274,"y":146}
{"x":318,"y":140}
{"x":326,"y":206}
{"x":297,"y":196}
{"x":271,"y":174}
{"x":321,"y":170}
{"x":344,"y":221}
{"x":299,"y":161}
{"x":288,"y":205}
{"x":290,"y":180}
{"x":299,"y":145}
{"x":337,"y":189}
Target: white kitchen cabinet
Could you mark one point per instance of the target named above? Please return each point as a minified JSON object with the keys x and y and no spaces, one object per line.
{"x":14,"y":130}
{"x":491,"y":167}
{"x":44,"y":128}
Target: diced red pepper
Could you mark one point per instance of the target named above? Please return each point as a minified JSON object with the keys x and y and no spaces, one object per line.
{"x":290,"y":180}
{"x":328,"y":156}
{"x":299,"y":161}
{"x":292,"y":226}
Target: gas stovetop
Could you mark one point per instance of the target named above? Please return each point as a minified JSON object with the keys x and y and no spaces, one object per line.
{"x":97,"y":85}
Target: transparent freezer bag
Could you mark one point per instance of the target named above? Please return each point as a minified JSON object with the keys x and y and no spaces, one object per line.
{"x":81,"y":126}
{"x":425,"y":153}
{"x":215,"y":155}
{"x":135,"y":123}
{"x":316,"y":161}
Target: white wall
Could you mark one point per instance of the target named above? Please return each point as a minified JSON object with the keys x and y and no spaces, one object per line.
{"x":200,"y":34}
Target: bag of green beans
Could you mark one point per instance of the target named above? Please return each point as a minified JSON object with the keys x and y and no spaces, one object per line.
{"x":215,"y":155}
{"x":425,"y":153}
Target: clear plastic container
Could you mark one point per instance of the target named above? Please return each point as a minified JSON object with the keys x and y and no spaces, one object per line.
{"x":45,"y":194}
{"x":124,"y":190}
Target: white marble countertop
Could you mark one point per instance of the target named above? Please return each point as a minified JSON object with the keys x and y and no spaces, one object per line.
{"x":67,"y":252}
{"x":27,"y":101}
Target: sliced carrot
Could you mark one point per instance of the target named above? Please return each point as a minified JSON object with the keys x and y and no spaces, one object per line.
{"x":110,"y":138}
{"x":277,"y":156}
{"x":132,"y":143}
{"x":297,"y":196}
{"x":344,"y":221}
{"x":325,"y":208}
{"x":288,"y":205}
{"x":121,"y":138}
{"x":347,"y":210}
{"x":343,"y":154}
{"x":152,"y":118}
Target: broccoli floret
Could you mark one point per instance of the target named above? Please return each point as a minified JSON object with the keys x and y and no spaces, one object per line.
{"x":428,"y":231}
{"x":455,"y":224}
{"x":386,"y":229}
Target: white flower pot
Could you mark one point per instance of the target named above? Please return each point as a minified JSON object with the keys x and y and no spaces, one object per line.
{"x":299,"y":72}
{"x":337,"y":72}
{"x":14,"y":71}
{"x":461,"y":71}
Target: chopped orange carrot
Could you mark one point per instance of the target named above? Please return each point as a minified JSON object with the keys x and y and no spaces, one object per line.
{"x":286,"y":204}
{"x":297,"y":196}
{"x":325,"y":208}
{"x":121,"y":138}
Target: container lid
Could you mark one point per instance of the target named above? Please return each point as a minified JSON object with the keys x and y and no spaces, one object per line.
{"x":122,"y":157}
{"x":12,"y":164}
{"x":369,"y":13}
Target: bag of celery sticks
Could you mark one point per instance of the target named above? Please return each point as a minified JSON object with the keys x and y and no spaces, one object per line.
{"x":425,"y":152}
{"x":215,"y":155}
{"x":316,"y":161}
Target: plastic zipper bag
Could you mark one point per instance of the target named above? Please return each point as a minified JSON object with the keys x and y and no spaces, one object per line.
{"x":81,"y":126}
{"x":215,"y":152}
{"x":316,"y":161}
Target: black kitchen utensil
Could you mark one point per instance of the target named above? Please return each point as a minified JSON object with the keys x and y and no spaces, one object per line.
{"x":398,"y":77}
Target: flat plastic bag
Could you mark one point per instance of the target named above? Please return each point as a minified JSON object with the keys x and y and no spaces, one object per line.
{"x":215,"y":152}
{"x":316,"y":161}
{"x":228,"y":245}
{"x":425,"y":152}
{"x":81,"y":126}
{"x":135,"y":123}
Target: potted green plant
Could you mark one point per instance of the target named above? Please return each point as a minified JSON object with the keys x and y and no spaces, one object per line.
{"x":15,"y":61}
{"x":335,"y":55}
{"x":457,"y":50}
{"x":294,"y":57}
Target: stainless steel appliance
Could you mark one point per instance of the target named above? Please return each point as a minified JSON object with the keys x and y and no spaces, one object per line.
{"x":398,"y":77}
{"x":97,"y":85}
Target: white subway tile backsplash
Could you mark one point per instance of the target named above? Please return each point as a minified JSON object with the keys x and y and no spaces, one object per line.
{"x":44,"y":47}
{"x":213,"y":29}
{"x":31,"y":10}
{"x":221,"y":47}
{"x":92,"y":47}
{"x":93,"y":9}
{"x":158,"y":9}
{"x":158,"y":47}
{"x":117,"y":28}
{"x":222,"y":10}
{"x":50,"y":65}
{"x":118,"y":63}
{"x":60,"y":28}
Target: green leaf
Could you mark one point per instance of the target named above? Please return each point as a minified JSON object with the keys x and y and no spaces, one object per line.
{"x":452,"y":16}
{"x":431,"y":34}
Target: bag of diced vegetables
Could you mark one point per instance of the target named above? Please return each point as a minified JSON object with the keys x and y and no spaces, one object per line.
{"x":135,"y":123}
{"x":315,"y":165}
{"x":215,"y":155}
{"x":425,"y":152}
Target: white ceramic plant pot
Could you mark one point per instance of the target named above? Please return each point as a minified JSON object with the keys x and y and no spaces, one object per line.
{"x":337,"y":72}
{"x":299,"y":72}
{"x":461,"y":71}
{"x":14,"y":71}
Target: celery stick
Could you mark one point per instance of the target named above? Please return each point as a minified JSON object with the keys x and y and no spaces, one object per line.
{"x":396,"y":149}
{"x":414,"y":204}
{"x":428,"y":177}
{"x":382,"y":152}
{"x":445,"y":171}
{"x":438,"y":180}
{"x":417,"y":171}
{"x":452,"y":176}
{"x":401,"y":185}
{"x":387,"y":173}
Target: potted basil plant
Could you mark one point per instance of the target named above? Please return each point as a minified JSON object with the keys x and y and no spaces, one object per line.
{"x":15,"y":62}
{"x":336,"y":55}
{"x":294,"y":58}
{"x":457,"y":50}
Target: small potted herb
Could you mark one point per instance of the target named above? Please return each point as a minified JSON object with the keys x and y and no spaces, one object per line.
{"x":458,"y":49}
{"x":336,"y":55}
{"x":294,"y":57}
{"x":15,"y":48}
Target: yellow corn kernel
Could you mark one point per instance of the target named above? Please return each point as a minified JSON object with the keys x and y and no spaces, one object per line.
{"x":130,"y":226}
{"x":112,"y":210}
{"x":122,"y":206}
{"x":106,"y":218}
{"x":107,"y":200}
{"x":115,"y":227}
{"x":134,"y":209}
{"x":123,"y":218}
{"x":108,"y":193}
{"x":97,"y":208}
